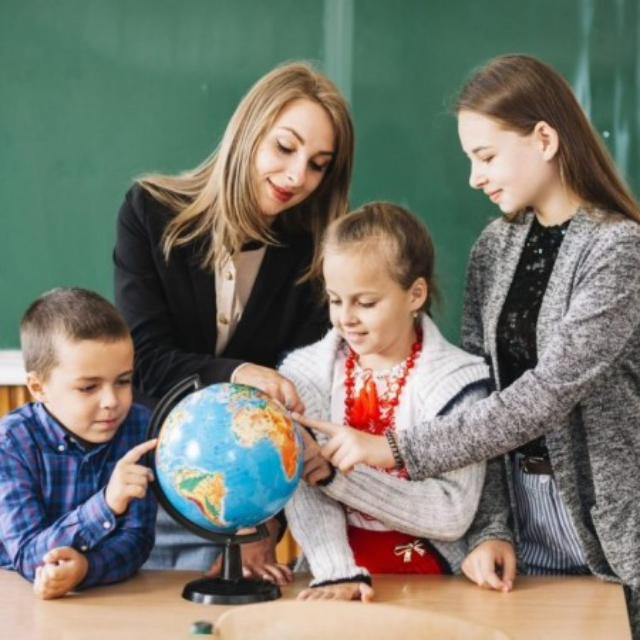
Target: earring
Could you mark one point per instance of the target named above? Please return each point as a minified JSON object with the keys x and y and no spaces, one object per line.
{"x":414,"y":314}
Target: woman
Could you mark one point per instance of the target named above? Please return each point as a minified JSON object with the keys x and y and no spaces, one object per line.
{"x":553,"y":301}
{"x":214,"y":267}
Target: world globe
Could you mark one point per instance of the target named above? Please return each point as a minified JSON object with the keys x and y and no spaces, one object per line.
{"x":228,"y":457}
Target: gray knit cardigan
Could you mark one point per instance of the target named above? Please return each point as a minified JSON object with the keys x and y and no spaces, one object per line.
{"x":584,"y":394}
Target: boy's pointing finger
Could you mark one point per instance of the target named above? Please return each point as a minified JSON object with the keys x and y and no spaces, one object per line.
{"x":133,"y":455}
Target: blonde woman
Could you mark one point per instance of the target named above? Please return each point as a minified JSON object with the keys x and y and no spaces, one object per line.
{"x":214,"y":267}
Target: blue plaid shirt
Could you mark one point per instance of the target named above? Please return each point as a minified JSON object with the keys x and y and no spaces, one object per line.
{"x":52,"y":494}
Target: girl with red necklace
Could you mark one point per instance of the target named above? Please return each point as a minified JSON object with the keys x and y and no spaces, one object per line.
{"x":384,"y":364}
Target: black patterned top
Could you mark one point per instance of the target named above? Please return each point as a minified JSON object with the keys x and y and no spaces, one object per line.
{"x":516,"y":333}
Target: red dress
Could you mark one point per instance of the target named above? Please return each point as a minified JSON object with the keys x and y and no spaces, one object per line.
{"x":373,"y":412}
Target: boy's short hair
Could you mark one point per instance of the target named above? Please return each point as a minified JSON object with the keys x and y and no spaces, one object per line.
{"x":70,"y":313}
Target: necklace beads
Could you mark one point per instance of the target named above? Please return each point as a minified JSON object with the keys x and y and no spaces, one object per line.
{"x":368,"y":410}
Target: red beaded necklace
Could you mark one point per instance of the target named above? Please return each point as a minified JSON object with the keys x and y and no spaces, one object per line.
{"x":369,"y":411}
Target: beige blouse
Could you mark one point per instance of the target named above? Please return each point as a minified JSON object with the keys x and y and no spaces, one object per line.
{"x":234,"y":281}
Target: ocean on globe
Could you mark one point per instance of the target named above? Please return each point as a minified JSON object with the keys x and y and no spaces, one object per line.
{"x":228,"y":457}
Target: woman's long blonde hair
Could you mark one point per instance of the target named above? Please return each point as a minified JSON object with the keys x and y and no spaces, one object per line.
{"x":519,"y":91}
{"x":216,"y":201}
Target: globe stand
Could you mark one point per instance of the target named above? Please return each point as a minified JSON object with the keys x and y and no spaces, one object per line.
{"x":231,"y":587}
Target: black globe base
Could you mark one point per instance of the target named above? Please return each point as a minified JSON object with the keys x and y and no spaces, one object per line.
{"x":222,"y":591}
{"x":231,"y":587}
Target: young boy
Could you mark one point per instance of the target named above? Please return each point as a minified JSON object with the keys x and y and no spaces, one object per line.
{"x":74,"y":506}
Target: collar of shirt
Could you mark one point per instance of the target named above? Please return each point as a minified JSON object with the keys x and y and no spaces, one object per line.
{"x":60,"y":438}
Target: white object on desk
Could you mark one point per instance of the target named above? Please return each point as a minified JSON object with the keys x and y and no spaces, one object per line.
{"x":320,"y":620}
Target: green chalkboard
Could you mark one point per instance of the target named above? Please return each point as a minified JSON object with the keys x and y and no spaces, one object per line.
{"x":95,"y":92}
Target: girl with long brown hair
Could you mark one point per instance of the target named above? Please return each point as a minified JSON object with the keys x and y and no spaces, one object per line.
{"x":553,"y":303}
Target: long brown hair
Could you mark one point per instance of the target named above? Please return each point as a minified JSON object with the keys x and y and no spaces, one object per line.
{"x":389,"y":232}
{"x":216,"y":201}
{"x":519,"y":91}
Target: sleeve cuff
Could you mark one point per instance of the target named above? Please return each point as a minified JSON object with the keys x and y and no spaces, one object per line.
{"x":476,"y":540}
{"x":234,"y":375}
{"x":96,"y":521}
{"x":357,"y":578}
{"x":325,"y":482}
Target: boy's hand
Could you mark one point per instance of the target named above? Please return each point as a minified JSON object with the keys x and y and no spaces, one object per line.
{"x":341,"y":591}
{"x":316,"y":468}
{"x":129,"y":479}
{"x":64,"y":569}
{"x":492,"y":565}
{"x":347,"y":447}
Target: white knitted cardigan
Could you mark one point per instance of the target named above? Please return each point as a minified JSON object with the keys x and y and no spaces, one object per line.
{"x":441,"y":509}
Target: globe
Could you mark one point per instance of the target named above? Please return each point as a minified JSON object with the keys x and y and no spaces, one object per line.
{"x":228,"y":457}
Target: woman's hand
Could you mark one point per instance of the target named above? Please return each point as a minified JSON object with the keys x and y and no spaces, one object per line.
{"x":348,"y":447}
{"x":492,"y":565}
{"x":340,"y":591}
{"x":316,"y":468}
{"x":271,"y":382}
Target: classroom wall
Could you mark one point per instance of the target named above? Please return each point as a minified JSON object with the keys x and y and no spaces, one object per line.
{"x":95,"y":92}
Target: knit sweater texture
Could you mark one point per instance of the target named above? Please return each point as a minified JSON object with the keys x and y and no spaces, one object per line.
{"x":584,"y":393}
{"x":441,"y":508}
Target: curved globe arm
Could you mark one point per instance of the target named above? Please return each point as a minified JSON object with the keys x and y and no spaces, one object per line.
{"x":169,"y":400}
{"x":165,"y":406}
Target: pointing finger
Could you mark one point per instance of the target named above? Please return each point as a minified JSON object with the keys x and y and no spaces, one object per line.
{"x":328,"y":428}
{"x":137,"y":452}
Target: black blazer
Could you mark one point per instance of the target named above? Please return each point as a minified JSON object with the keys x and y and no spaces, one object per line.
{"x":171,"y":306}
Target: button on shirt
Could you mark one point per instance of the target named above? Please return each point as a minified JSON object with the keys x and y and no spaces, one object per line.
{"x":52,"y":494}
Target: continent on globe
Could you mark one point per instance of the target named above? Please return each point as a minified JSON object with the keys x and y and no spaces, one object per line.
{"x":258,"y":421}
{"x":205,"y":490}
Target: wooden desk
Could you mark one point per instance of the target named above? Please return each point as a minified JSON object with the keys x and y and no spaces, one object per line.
{"x":150,"y":606}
